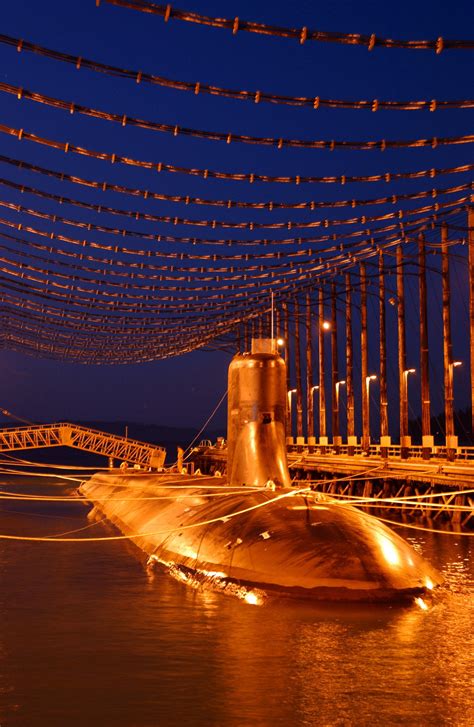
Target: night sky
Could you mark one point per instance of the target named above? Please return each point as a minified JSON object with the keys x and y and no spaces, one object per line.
{"x":182,"y":391}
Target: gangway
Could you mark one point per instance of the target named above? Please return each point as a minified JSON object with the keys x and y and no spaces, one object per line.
{"x":65,"y":434}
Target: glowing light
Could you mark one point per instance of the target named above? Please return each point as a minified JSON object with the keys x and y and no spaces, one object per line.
{"x":429,"y":584}
{"x":326,"y":325}
{"x":213,"y":573}
{"x":389,"y":551}
{"x":252,"y":598}
{"x":306,"y":507}
{"x":280,"y":341}
{"x":419,"y":602}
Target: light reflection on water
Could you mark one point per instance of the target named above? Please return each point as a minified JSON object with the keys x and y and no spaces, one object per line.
{"x":89,"y":636}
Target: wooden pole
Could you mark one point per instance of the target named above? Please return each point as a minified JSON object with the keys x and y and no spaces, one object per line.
{"x":447,"y":340}
{"x":322,"y":392}
{"x":246,"y":336}
{"x":349,"y":360}
{"x":364,"y":358}
{"x":402,"y":356}
{"x":424,"y":347}
{"x":299,"y":387}
{"x":470,"y":225}
{"x":309,"y":370}
{"x":334,"y":367}
{"x":286,"y":333}
{"x":383,"y":350}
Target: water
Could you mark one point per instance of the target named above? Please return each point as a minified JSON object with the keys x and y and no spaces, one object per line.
{"x":89,"y":637}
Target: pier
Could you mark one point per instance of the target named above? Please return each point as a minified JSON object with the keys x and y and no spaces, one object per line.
{"x":438,"y":488}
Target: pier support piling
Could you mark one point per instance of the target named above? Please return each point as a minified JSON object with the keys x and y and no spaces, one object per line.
{"x":321,"y":359}
{"x":427,"y":439}
{"x":384,"y":433}
{"x":351,"y":438}
{"x":364,"y":359}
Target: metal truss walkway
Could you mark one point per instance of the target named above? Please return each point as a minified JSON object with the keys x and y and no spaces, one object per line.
{"x":90,"y":440}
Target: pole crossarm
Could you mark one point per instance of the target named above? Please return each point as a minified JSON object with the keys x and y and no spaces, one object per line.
{"x":85,"y":438}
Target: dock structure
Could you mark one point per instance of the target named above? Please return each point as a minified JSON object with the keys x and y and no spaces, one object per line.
{"x":388,"y":343}
{"x":64,"y":434}
{"x":377,"y":473}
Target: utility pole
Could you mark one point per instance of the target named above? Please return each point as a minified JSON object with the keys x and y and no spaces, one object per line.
{"x":385,"y":440}
{"x":322,"y":392}
{"x":405,"y":442}
{"x":309,"y":374}
{"x":299,"y":388}
{"x":334,"y":370}
{"x":351,"y":438}
{"x":427,"y":439}
{"x":364,"y":359}
{"x":451,"y":440}
{"x":470,"y":234}
{"x":286,"y":334}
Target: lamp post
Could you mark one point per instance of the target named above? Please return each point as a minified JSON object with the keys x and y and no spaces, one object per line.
{"x":451,"y":439}
{"x":338,"y":384}
{"x":337,"y":438}
{"x":366,"y":433}
{"x":290,"y":392}
{"x":323,"y":327}
{"x":311,"y":396}
{"x":405,"y":439}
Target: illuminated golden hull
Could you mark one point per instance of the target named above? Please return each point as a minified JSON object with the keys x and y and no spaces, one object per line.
{"x":254,"y":543}
{"x":251,"y":534}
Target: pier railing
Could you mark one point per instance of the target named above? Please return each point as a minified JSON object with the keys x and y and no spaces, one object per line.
{"x":377,"y":450}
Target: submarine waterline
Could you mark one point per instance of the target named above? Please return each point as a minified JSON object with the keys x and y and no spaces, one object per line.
{"x":251,"y":532}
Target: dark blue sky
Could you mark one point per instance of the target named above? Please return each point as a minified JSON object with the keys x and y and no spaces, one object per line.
{"x":183,"y":390}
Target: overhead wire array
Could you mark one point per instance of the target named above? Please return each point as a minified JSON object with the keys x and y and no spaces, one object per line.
{"x":231,"y":136}
{"x":196,"y":87}
{"x":236,"y":25}
{"x":156,"y":294}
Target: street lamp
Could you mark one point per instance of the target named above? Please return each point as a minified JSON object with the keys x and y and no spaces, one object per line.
{"x":405,"y":440}
{"x":451,"y":439}
{"x":336,"y":434}
{"x":311,"y":404}
{"x":290,"y":392}
{"x":368,"y":379}
{"x":454,"y":364}
{"x":338,"y":384}
{"x":366,"y":434}
{"x":406,"y":374}
{"x":326,"y":325}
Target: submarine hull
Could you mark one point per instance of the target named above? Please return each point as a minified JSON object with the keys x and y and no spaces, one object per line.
{"x":285,"y":542}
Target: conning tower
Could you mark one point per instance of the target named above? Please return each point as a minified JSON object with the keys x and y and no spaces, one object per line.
{"x":256,"y":428}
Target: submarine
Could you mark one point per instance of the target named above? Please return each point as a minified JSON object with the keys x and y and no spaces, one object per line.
{"x":250,"y":533}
